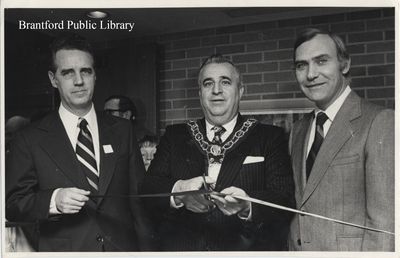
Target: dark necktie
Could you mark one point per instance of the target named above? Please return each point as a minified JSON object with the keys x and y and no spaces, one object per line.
{"x":318,"y":139}
{"x":85,"y":154}
{"x":215,"y":155}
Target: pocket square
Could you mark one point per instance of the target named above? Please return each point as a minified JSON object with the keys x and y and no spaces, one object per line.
{"x":253,"y":159}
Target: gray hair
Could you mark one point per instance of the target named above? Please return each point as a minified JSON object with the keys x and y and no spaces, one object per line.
{"x":219,"y":59}
{"x":309,"y":33}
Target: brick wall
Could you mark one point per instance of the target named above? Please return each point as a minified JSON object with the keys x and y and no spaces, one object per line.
{"x":263,"y":52}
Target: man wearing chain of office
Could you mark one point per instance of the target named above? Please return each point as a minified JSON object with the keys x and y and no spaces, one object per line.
{"x":229,"y":155}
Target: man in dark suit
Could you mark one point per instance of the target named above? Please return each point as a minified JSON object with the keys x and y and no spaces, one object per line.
{"x":342,"y":155}
{"x":233,"y":156}
{"x":58,"y":165}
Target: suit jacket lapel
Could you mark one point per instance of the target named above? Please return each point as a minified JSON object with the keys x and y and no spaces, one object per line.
{"x":299,"y":151}
{"x":195,"y":157}
{"x":196,"y":161}
{"x":107,"y":160}
{"x":341,"y":130}
{"x":231,"y":166}
{"x":59,"y":148}
{"x":233,"y":159}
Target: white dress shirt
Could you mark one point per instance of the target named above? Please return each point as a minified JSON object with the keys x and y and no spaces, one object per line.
{"x":330,"y":112}
{"x":70,"y":122}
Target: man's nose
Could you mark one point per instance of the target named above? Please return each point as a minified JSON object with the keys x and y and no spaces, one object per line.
{"x":217,"y":88}
{"x":78,"y":80}
{"x":312,"y":72}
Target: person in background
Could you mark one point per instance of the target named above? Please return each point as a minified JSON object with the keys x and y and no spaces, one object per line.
{"x":13,"y":125}
{"x":18,"y":239}
{"x":231,"y":155}
{"x":63,"y":170}
{"x":122,"y":106}
{"x":342,"y":155}
{"x":148,"y":147}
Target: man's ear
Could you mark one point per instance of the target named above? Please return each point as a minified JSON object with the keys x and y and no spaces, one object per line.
{"x":52,"y":78}
{"x":346,"y":66}
{"x":241,"y":90}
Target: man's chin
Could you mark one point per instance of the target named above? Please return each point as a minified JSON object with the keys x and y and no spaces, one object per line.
{"x":218,"y":119}
{"x":83,"y":104}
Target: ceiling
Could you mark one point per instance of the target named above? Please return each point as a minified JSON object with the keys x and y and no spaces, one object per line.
{"x":158,"y":21}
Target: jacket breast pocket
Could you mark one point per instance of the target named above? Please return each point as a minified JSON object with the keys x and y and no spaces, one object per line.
{"x":252,"y":175}
{"x":343,"y":160}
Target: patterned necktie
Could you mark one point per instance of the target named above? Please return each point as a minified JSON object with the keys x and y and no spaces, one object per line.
{"x":218,"y":132}
{"x":318,"y":139}
{"x":215,"y":150}
{"x":85,"y":154}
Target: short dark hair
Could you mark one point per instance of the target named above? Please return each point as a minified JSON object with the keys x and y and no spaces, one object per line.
{"x":69,"y":41}
{"x":219,"y":59}
{"x":309,"y":33}
{"x":152,"y":139}
{"x":124,"y":103}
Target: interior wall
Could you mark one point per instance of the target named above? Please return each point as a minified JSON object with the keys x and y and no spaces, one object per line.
{"x":28,"y":91}
{"x":263,"y":52}
{"x":123,"y":67}
{"x":160,"y":73}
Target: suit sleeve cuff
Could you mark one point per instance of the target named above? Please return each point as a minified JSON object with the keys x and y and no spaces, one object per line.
{"x":246,"y":216}
{"x":172,"y":200}
{"x":53,"y":209}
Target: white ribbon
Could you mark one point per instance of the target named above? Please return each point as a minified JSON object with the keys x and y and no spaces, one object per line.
{"x":249,"y":199}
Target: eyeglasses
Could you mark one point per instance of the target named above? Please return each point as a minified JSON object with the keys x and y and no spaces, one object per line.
{"x":207,"y":187}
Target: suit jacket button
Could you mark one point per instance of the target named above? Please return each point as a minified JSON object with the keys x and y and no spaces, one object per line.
{"x":299,"y":241}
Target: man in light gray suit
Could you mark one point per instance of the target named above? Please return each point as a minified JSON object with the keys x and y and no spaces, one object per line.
{"x":342,"y":155}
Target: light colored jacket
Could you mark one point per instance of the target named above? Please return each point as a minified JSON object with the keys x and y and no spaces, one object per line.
{"x":352,"y":180}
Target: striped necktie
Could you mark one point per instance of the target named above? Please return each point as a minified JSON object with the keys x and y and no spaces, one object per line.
{"x":85,"y":154}
{"x":318,"y":139}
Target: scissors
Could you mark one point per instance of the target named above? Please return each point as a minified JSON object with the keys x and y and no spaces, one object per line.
{"x":207,"y":188}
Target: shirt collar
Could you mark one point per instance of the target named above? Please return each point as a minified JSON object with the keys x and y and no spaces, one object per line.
{"x":333,"y":109}
{"x":72,"y":119}
{"x":228,"y":126}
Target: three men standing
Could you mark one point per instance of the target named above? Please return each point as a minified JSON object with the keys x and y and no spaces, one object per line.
{"x":342,"y":156}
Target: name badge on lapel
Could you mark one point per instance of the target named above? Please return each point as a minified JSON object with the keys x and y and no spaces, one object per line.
{"x":108,"y":149}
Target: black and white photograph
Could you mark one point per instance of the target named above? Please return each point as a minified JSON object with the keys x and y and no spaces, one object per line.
{"x":240,"y":129}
